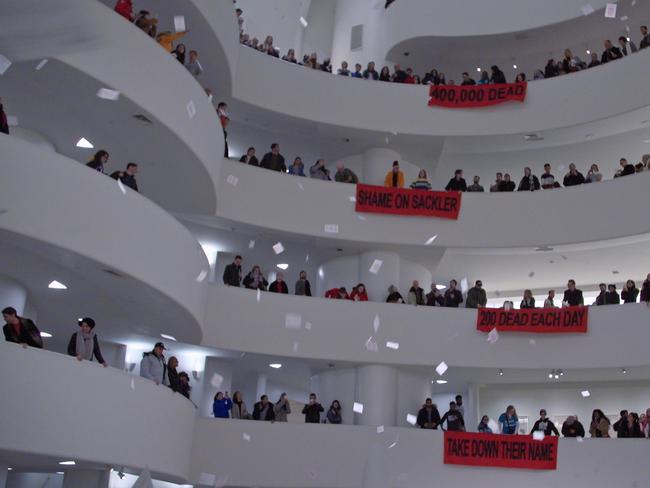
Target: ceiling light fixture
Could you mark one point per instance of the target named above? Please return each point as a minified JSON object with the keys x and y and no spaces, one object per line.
{"x":442,"y":382}
{"x":57,"y":285}
{"x":304,"y":22}
{"x":588,"y":51}
{"x":500,"y":372}
{"x":169,"y":337}
{"x":623,"y":370}
{"x":275,"y":365}
{"x":478,"y":69}
{"x":85,"y":143}
{"x":514,"y":66}
{"x":67,"y":463}
{"x":46,"y":335}
{"x":282,"y":265}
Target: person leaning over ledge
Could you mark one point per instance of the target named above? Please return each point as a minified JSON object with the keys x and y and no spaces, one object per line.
{"x":312,"y":410}
{"x":416,"y":294}
{"x":507,"y":184}
{"x":573,"y":296}
{"x":428,"y":416}
{"x":457,"y":183}
{"x":20,"y":330}
{"x":263,"y":410}
{"x":84,"y":344}
{"x":529,"y":181}
{"x":572,"y":427}
{"x":279,"y":285}
{"x":573,"y":177}
{"x":274,"y":160}
{"x":476,"y":296}
{"x":422,"y":182}
{"x":345,"y":175}
{"x":395,"y":177}
{"x":544,"y":425}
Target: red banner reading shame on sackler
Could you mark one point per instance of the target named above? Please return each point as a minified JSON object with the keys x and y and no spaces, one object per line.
{"x":399,"y":201}
{"x":457,"y":96}
{"x":538,"y":320}
{"x":500,"y":451}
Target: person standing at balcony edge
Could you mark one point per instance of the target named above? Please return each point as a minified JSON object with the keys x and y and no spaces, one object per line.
{"x":599,"y":426}
{"x":454,"y":419}
{"x":434,"y":297}
{"x":610,"y":53}
{"x":370,"y":73}
{"x":453,"y":297}
{"x":394,"y":296}
{"x":249,"y":157}
{"x":600,"y":299}
{"x":476,"y":187}
{"x":319,"y":171}
{"x":547,"y":179}
{"x":507,"y":184}
{"x":620,"y":426}
{"x":239,"y":407}
{"x":359,"y":293}
{"x":343,"y":70}
{"x":357,"y":71}
{"x":153,"y":367}
{"x":594,"y":175}
{"x":279,"y":285}
{"x":573,"y":296}
{"x":509,"y":421}
{"x":549,"y":302}
{"x":20,"y":330}
{"x":146,"y":24}
{"x":173,"y":376}
{"x":337,"y":294}
{"x":459,"y":405}
{"x":303,"y":287}
{"x":498,"y":77}
{"x":255,"y":279}
{"x":345,"y":175}
{"x":4,"y":124}
{"x":573,"y":177}
{"x":395,"y":177}
{"x":416,"y":294}
{"x":334,"y":413}
{"x":193,"y":65}
{"x":312,"y":410}
{"x":84,"y":344}
{"x":282,"y":408}
{"x":99,"y":161}
{"x":483,"y":426}
{"x":476,"y":296}
{"x":497,"y":184}
{"x":232,"y":275}
{"x":428,"y":416}
{"x":457,"y":183}
{"x":125,"y":9}
{"x":645,"y":289}
{"x":612,"y":297}
{"x":263,"y":410}
{"x":184,"y":386}
{"x":422,"y":182}
{"x":544,"y":425}
{"x":221,"y":406}
{"x":224,"y":119}
{"x":645,"y":37}
{"x":572,"y":427}
{"x":627,"y":47}
{"x":594,"y":60}
{"x":626,"y":168}
{"x":529,"y":181}
{"x":467,"y":80}
{"x":528,"y":301}
{"x":127,"y":177}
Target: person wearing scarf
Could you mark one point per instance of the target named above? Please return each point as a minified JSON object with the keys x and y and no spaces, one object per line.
{"x":84,"y":344}
{"x":255,"y":279}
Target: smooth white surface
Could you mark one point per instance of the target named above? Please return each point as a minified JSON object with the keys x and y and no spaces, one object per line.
{"x":373,"y":382}
{"x":53,"y":199}
{"x":12,"y":294}
{"x":427,"y":336}
{"x":486,"y":220}
{"x":151,"y":427}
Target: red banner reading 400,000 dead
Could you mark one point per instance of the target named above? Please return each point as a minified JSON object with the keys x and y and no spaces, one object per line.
{"x":455,"y":96}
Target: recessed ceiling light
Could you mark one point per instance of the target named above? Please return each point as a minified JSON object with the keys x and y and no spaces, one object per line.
{"x":588,"y":51}
{"x":10,"y":469}
{"x":46,"y":334}
{"x":500,"y":372}
{"x":304,"y":22}
{"x":60,"y":472}
{"x":282,"y":265}
{"x":275,"y":365}
{"x":67,"y":463}
{"x":440,"y":287}
{"x":167,"y":336}
{"x":623,"y":370}
{"x":478,"y":69}
{"x":441,"y":382}
{"x":550,"y":375}
{"x":57,"y":285}
{"x":514,"y":66}
{"x":84,"y":143}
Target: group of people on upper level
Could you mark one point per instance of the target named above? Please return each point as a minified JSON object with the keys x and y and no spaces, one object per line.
{"x":126,"y":177}
{"x":255,"y":280}
{"x":569,"y":63}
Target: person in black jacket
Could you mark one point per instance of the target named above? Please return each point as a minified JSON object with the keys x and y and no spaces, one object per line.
{"x":428,"y":416}
{"x":127,"y":177}
{"x":626,"y":168}
{"x":633,"y":426}
{"x":4,"y":125}
{"x":506,"y":184}
{"x":334,"y":413}
{"x":600,"y":299}
{"x":544,"y":425}
{"x":394,"y":296}
{"x":255,"y":279}
{"x":263,"y":410}
{"x":173,"y":376}
{"x":279,"y":285}
{"x":529,"y":182}
{"x":453,"y":297}
{"x":497,"y":75}
{"x":612,"y":297}
{"x":232,"y":274}
{"x":84,"y":344}
{"x":572,"y":427}
{"x":454,"y":419}
{"x":312,"y":410}
{"x":621,"y":425}
{"x":610,"y":53}
{"x":572,"y":295}
{"x":249,"y":157}
{"x":434,"y":297}
{"x":630,"y":292}
{"x":274,"y":160}
{"x":99,"y":161}
{"x":573,"y":177}
{"x":645,"y":37}
{"x":20,"y":330}
{"x":457,"y":183}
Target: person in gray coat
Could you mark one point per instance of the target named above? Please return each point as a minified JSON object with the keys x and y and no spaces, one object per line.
{"x":238,"y":410}
{"x":476,"y":296}
{"x":153,"y":365}
{"x":282,"y":408}
{"x":319,"y":171}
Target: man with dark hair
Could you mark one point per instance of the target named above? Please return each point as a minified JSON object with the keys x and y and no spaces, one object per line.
{"x":279,"y":285}
{"x":612,"y":297}
{"x":232,"y":275}
{"x":600,"y":299}
{"x":193,"y":64}
{"x":610,"y":53}
{"x":507,"y":184}
{"x":544,"y":425}
{"x":620,"y":426}
{"x":312,"y":410}
{"x":428,"y":416}
{"x":127,"y":177}
{"x":497,"y":184}
{"x":399,"y":75}
{"x":572,"y":427}
{"x":370,"y":73}
{"x":459,"y":405}
{"x":626,"y":168}
{"x":476,"y":186}
{"x":20,"y":330}
{"x":547,"y":179}
{"x":627,"y":47}
{"x":573,"y":177}
{"x":573,"y":296}
{"x":263,"y":410}
{"x":146,"y":23}
{"x":337,"y":294}
{"x":454,"y":419}
{"x":274,"y":160}
{"x":467,"y":81}
{"x":645,"y":37}
{"x":457,"y":183}
{"x":476,"y":296}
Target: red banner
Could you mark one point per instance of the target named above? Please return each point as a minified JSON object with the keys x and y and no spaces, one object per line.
{"x":538,"y":320}
{"x":399,"y":201}
{"x":456,"y":96}
{"x":500,"y":451}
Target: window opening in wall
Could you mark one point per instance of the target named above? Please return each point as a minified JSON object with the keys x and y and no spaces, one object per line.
{"x":356,"y":38}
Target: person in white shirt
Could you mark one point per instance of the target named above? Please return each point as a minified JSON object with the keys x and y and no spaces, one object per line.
{"x":549,"y":303}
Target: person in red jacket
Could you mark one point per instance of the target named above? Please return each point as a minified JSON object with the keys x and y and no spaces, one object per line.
{"x":359,"y":293}
{"x":279,"y":286}
{"x":337,"y":294}
{"x":125,"y":9}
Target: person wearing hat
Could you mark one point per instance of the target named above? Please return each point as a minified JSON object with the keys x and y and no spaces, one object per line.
{"x":153,"y":365}
{"x":395,"y":177}
{"x":20,"y":329}
{"x":84,"y":344}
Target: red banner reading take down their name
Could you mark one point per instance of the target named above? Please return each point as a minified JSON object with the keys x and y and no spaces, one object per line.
{"x":455,"y":96}
{"x":399,"y":201}
{"x":539,"y":320}
{"x":500,"y":451}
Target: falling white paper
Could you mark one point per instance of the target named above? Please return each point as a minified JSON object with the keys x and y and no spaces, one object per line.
{"x":357,"y":407}
{"x":307,"y":325}
{"x":430,"y":240}
{"x":300,"y":186}
{"x":387,"y":139}
{"x":4,"y":64}
{"x":120,"y":185}
{"x":216,"y":380}
{"x":251,"y":244}
{"x":392,"y":345}
{"x":246,"y":437}
{"x":233,"y":180}
{"x":442,"y":368}
{"x":202,"y":275}
{"x":376,"y":266}
{"x":532,"y":342}
{"x":610,"y":11}
{"x":493,"y":336}
{"x":371,"y":345}
{"x":375,"y":324}
{"x":411,"y":419}
{"x":579,"y":439}
{"x":278,"y":248}
{"x":380,"y":429}
{"x":108,"y":94}
{"x":179,"y":23}
{"x":40,"y":65}
{"x":295,"y":347}
{"x":624,"y":18}
{"x":208,"y":479}
{"x":538,"y":435}
{"x":259,"y":295}
{"x":587,"y":9}
{"x":464,"y":285}
{"x":293,"y":321}
{"x":585,"y":394}
{"x":331,"y":228}
{"x":191,"y":109}
{"x":132,"y":384}
{"x":307,"y":258}
{"x":392,"y":445}
{"x":353,"y":199}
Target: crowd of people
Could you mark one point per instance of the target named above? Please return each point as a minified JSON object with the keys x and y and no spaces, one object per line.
{"x":569,"y":63}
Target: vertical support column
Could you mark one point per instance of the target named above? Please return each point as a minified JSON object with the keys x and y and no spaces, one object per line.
{"x":377,"y":284}
{"x":221,"y":372}
{"x":376,"y":390}
{"x":261,"y":386}
{"x":86,"y":478}
{"x":120,"y":357}
{"x":473,"y":412}
{"x":337,"y":384}
{"x":12,"y":294}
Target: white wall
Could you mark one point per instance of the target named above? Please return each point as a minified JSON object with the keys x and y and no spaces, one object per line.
{"x":410,"y":271}
{"x":412,"y":389}
{"x":318,"y":34}
{"x":278,"y":18}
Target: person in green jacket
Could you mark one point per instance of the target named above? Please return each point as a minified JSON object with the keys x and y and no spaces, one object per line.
{"x":476,"y":296}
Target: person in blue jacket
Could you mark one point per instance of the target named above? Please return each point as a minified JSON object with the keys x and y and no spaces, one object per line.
{"x":221,"y":406}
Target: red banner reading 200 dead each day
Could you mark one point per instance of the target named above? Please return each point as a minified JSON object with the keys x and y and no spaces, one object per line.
{"x":399,"y":201}
{"x":500,"y":451}
{"x":539,"y":320}
{"x":455,"y":96}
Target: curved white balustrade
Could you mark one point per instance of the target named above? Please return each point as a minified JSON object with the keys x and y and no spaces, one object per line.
{"x":518,"y":219}
{"x":55,"y":406}
{"x":281,"y":87}
{"x":342,"y":456}
{"x":50,"y":198}
{"x":340,"y":329}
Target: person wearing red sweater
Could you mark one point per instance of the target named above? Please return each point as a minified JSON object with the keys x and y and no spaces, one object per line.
{"x":125,"y":9}
{"x":337,"y":294}
{"x":359,"y":293}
